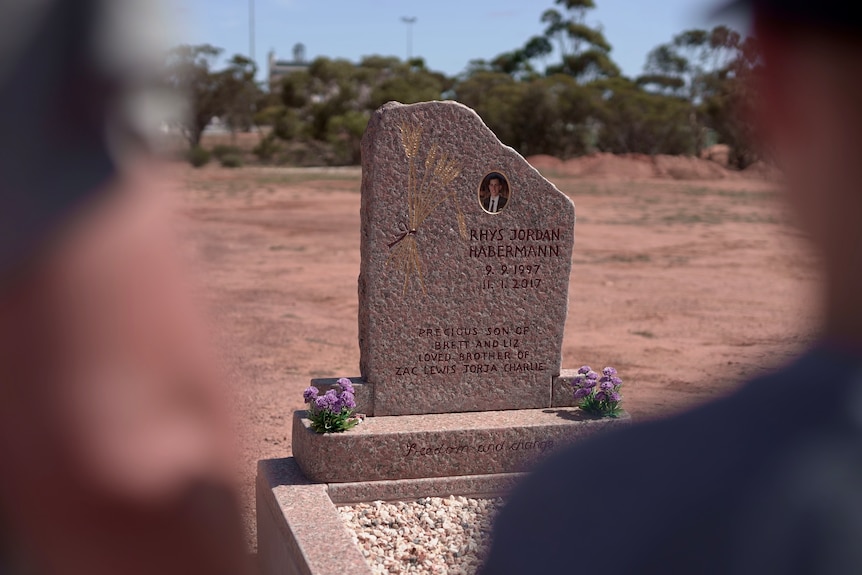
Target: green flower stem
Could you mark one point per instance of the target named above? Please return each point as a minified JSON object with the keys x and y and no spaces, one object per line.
{"x":327,"y":421}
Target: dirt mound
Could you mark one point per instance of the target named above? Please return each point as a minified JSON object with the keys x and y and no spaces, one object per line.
{"x":689,"y":168}
{"x":719,"y":153}
{"x":600,"y":165}
{"x":763,"y":171}
{"x":624,"y":167}
{"x":545,"y":162}
{"x":611,"y":166}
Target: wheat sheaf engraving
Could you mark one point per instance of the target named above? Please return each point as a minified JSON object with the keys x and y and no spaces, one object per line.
{"x":428,"y":182}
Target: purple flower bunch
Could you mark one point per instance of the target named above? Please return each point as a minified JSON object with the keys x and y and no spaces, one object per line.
{"x":331,"y":412}
{"x":598,"y":395}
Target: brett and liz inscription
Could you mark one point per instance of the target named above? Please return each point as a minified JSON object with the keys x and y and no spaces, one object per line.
{"x":461,"y":350}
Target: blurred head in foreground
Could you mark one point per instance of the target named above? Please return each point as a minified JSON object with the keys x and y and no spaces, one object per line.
{"x":769,"y":479}
{"x":113,"y":439}
{"x":811,"y":121}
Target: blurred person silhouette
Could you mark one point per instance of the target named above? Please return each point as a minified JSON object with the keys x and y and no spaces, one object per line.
{"x":114,"y":450}
{"x":769,"y":479}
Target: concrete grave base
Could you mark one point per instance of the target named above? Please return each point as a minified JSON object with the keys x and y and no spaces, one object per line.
{"x":299,"y":529}
{"x":440,"y":445}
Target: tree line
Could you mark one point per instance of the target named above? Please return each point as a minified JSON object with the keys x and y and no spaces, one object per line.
{"x":559,"y":94}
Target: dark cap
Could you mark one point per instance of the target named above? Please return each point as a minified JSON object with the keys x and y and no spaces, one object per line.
{"x":843,"y":14}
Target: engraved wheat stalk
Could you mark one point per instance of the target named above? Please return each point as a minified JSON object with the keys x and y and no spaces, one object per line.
{"x":411,"y":138}
{"x":423,"y":198}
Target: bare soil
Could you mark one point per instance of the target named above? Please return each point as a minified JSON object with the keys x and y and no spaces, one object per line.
{"x":686,"y":286}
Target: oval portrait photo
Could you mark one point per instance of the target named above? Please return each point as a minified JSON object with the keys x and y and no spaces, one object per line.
{"x":494,"y":193}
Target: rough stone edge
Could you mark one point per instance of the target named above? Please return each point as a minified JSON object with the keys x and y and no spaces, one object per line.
{"x":299,"y":530}
{"x":364,"y":392}
{"x":377,"y":117}
{"x":282,"y":492}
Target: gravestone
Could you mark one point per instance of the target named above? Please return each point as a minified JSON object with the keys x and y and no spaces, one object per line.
{"x":463,"y":293}
{"x":466,"y":254}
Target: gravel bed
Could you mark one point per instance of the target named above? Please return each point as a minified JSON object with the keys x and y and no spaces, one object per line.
{"x":431,"y":535}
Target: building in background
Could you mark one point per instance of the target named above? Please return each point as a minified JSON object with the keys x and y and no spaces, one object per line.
{"x":278,"y":69}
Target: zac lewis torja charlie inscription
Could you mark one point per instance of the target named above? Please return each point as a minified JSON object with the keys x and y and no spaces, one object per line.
{"x":466,"y":255}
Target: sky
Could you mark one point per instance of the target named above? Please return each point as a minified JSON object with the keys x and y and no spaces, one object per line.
{"x":447,"y":33}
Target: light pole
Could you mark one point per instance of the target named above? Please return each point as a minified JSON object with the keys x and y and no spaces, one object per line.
{"x":409,"y":21}
{"x":251,"y":29}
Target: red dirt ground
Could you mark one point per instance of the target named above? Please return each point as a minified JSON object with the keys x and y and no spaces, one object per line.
{"x":686,"y":286}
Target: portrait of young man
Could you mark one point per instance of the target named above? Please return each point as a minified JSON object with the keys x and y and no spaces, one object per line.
{"x":494,"y":193}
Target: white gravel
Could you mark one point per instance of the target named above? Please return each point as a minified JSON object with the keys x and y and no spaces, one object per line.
{"x":431,"y":535}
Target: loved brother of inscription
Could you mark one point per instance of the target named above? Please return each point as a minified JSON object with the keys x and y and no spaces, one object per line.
{"x":462,"y":301}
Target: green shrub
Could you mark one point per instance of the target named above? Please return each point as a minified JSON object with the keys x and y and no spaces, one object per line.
{"x":222,"y":150}
{"x":231,"y":161}
{"x":266,"y":149}
{"x":198,"y":156}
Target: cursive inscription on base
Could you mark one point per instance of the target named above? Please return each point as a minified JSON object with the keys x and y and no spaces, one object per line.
{"x":414,"y":450}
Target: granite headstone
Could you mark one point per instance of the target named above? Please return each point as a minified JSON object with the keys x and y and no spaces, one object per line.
{"x":466,"y":254}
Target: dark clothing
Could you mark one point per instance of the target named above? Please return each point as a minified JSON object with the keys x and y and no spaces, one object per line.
{"x":768,"y":480}
{"x":501,"y":203}
{"x":833,"y":15}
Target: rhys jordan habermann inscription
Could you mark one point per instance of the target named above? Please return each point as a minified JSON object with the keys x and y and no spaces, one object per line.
{"x":514,"y":244}
{"x":463,"y":293}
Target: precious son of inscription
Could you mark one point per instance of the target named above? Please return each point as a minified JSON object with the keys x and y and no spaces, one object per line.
{"x":426,"y":191}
